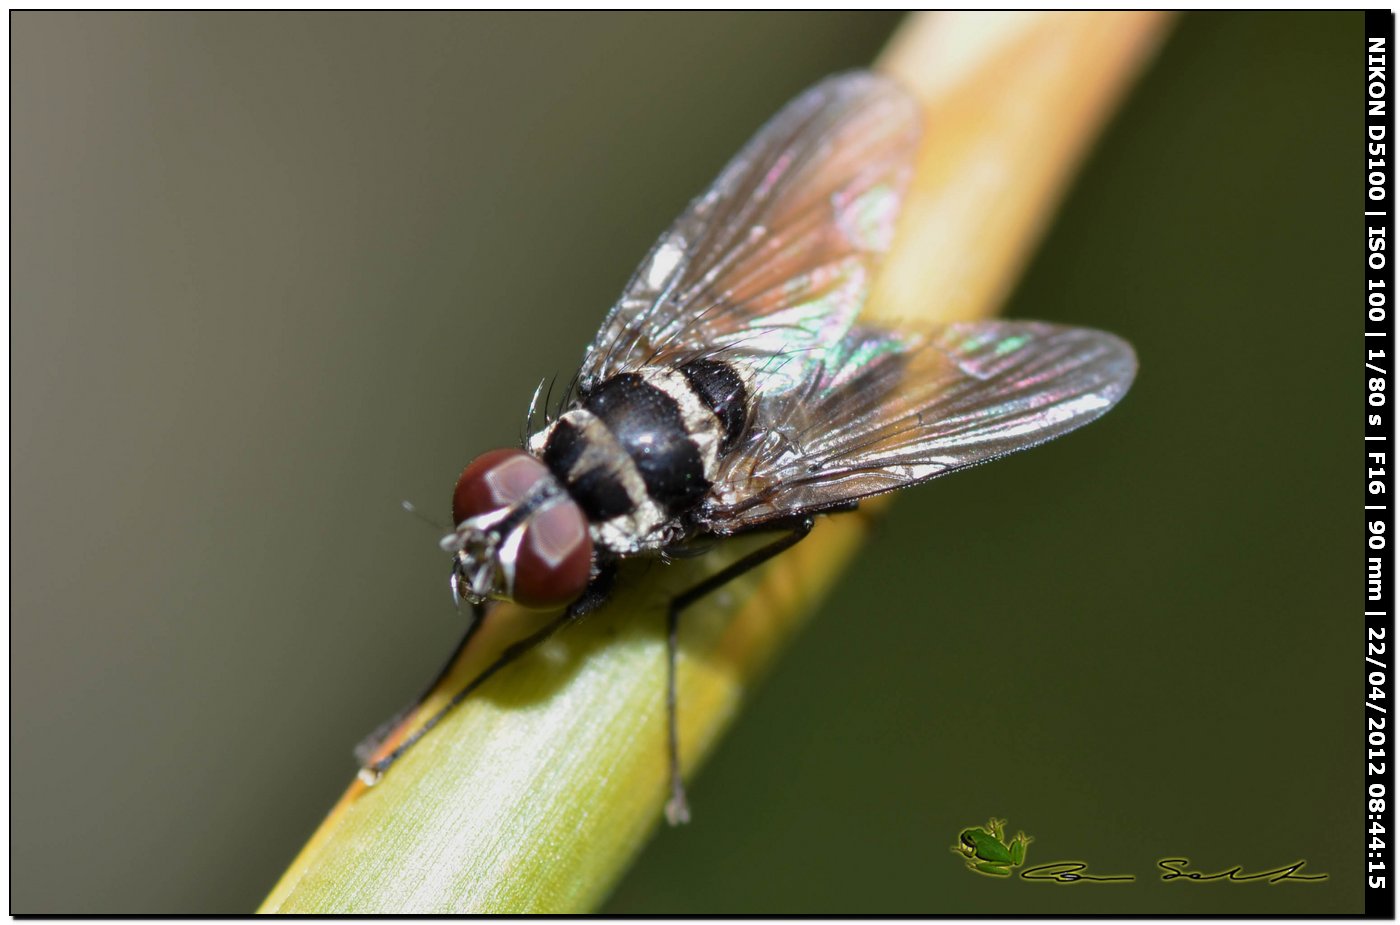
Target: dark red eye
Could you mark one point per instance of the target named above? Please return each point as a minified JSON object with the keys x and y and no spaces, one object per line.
{"x":495,"y":480}
{"x":554,"y":560}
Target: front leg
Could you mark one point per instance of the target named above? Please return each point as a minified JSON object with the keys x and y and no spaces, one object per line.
{"x":591,"y":599}
{"x":371,"y":743}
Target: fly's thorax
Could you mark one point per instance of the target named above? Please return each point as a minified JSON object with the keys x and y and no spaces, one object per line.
{"x":519,"y":534}
{"x":641,"y":449}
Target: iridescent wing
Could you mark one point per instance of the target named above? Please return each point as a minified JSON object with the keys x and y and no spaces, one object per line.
{"x":774,"y":261}
{"x":883,"y":410}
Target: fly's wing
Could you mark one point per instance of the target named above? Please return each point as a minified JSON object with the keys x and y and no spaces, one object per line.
{"x":884,"y":410}
{"x":773,"y":262}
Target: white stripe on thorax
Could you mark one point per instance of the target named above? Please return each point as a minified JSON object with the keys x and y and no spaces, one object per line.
{"x":625,"y":532}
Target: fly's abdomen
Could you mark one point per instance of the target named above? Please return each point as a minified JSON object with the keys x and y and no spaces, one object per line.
{"x":720,"y":387}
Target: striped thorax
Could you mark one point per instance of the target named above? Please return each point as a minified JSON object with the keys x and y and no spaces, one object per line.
{"x":642,"y":448}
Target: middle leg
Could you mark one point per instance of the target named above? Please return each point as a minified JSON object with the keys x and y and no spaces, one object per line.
{"x":677,"y":809}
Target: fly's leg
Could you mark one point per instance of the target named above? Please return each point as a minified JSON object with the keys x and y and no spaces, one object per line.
{"x":591,"y":599}
{"x":677,"y":811}
{"x":370,"y":743}
{"x":371,"y":773}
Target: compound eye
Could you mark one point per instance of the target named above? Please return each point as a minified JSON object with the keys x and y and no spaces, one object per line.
{"x":555,"y":558}
{"x":551,"y":564}
{"x":495,"y":480}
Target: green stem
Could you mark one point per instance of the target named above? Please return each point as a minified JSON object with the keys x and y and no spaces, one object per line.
{"x":535,"y":794}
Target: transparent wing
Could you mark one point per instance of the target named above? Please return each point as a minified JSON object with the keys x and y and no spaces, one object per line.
{"x":884,"y":410}
{"x":773,"y":262}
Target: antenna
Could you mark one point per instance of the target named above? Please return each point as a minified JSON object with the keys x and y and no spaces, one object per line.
{"x":413,"y":509}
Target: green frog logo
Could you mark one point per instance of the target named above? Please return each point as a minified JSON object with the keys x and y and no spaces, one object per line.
{"x":988,"y":852}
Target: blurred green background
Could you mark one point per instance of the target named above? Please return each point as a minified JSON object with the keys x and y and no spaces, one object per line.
{"x":274,"y":273}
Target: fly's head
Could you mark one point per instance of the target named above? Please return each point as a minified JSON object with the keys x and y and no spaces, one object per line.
{"x":519,"y":536}
{"x":475,"y":545}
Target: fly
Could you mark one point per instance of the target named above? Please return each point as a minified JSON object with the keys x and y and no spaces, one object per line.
{"x":733,"y":390}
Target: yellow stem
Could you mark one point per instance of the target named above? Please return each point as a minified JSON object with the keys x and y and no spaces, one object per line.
{"x":534,"y":795}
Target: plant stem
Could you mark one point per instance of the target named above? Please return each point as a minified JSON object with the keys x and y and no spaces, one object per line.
{"x":534,"y":794}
